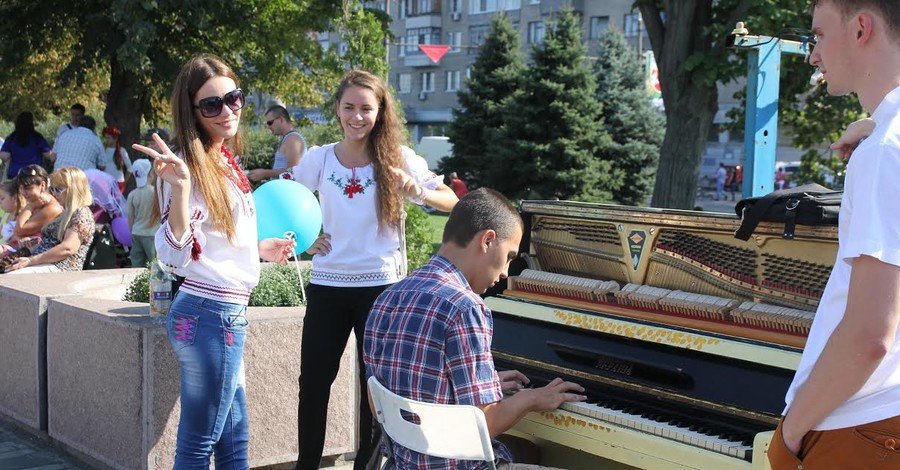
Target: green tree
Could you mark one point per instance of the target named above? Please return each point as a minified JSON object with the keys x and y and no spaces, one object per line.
{"x":815,"y":123}
{"x":495,"y":74}
{"x":635,"y":127}
{"x":689,"y":42}
{"x":143,"y":43}
{"x":553,"y":127}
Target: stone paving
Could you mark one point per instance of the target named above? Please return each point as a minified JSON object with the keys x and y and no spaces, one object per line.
{"x":21,"y":451}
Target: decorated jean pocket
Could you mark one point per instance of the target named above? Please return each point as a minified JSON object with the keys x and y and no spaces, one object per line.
{"x":183,"y":330}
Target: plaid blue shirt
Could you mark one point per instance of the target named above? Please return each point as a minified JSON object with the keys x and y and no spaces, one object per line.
{"x":428,"y":338}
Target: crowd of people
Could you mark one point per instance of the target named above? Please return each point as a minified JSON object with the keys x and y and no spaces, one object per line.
{"x":29,"y":205}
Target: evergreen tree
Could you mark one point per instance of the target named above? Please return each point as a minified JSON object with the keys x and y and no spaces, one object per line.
{"x":553,"y":129}
{"x":494,"y":76}
{"x":636,"y":128}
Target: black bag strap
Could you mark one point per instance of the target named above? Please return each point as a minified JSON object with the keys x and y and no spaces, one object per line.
{"x":751,"y":218}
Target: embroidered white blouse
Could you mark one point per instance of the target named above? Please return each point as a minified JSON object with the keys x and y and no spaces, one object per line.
{"x":360,"y":256}
{"x":221,"y":271}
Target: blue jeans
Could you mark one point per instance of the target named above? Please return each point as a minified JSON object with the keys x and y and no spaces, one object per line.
{"x":208,"y":338}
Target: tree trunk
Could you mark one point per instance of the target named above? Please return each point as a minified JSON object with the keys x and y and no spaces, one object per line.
{"x":125,"y":104}
{"x":687,"y":126}
{"x":691,"y":99}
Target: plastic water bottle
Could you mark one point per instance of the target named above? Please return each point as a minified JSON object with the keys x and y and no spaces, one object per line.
{"x":160,"y":290}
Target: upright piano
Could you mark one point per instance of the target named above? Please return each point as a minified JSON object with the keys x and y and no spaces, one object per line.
{"x":685,"y":338}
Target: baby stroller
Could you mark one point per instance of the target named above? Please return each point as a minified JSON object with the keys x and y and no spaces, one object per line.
{"x":112,"y":238}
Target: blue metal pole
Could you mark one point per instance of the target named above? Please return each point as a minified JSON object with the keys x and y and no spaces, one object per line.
{"x":761,"y":118}
{"x":761,"y":126}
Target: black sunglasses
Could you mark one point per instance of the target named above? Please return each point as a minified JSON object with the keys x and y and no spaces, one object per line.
{"x":212,"y":106}
{"x":269,"y":123}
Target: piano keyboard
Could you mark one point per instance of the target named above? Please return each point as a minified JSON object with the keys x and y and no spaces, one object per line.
{"x":701,"y":432}
{"x":696,"y":435}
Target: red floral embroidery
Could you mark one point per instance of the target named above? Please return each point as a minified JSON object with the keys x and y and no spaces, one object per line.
{"x":236,"y":175}
{"x":353,"y":185}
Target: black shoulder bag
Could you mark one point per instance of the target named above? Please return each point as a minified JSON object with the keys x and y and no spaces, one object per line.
{"x":810,"y":204}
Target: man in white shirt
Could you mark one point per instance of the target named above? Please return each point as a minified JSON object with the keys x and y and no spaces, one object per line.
{"x":843,"y":408}
{"x":77,"y":112}
{"x":79,"y":147}
{"x":290,"y":149}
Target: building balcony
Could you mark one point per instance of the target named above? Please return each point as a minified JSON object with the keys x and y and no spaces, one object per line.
{"x":555,"y":6}
{"x":417,"y":59}
{"x":430,"y":20}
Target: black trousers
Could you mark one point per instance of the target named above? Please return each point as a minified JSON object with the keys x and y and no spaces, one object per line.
{"x":331,"y":312}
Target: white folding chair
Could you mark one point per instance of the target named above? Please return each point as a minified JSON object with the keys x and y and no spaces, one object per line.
{"x":446,"y":431}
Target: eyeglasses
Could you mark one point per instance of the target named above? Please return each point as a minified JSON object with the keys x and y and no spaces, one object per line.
{"x":27,"y":171}
{"x":56,"y":190}
{"x":212,"y":106}
{"x":269,"y":123}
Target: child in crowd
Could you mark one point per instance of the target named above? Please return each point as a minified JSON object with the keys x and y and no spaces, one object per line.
{"x":115,"y":158}
{"x":139,"y":209}
{"x":10,"y":203}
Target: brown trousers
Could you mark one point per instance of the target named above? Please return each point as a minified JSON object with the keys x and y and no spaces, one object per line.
{"x":871,"y":446}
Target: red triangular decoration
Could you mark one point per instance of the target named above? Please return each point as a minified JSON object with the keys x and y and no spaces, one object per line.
{"x":434,"y":52}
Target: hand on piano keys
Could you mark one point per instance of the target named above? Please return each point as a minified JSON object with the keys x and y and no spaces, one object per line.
{"x":553,"y":395}
{"x":511,"y":381}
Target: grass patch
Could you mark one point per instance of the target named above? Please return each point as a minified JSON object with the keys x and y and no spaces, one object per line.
{"x":437,"y":221}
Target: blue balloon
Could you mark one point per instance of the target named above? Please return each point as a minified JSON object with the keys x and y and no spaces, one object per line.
{"x":285,"y":207}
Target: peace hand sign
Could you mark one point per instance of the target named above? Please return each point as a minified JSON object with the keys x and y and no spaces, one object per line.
{"x":167,"y":165}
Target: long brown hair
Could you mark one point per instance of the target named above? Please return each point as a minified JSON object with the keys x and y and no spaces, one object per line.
{"x":383,"y":144}
{"x":204,"y":162}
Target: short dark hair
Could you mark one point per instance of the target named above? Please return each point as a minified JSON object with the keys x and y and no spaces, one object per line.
{"x":886,"y":8}
{"x":78,"y":107}
{"x":481,"y":210}
{"x":279,"y":111}
{"x":88,"y":122}
{"x":162,"y":133}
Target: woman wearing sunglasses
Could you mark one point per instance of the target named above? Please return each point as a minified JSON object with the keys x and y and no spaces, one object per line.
{"x":65,"y":240}
{"x":208,"y":237}
{"x":362,"y":182}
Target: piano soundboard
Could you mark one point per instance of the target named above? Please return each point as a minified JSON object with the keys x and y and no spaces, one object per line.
{"x":685,"y":338}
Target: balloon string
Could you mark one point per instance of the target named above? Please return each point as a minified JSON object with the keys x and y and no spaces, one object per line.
{"x":290,"y":235}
